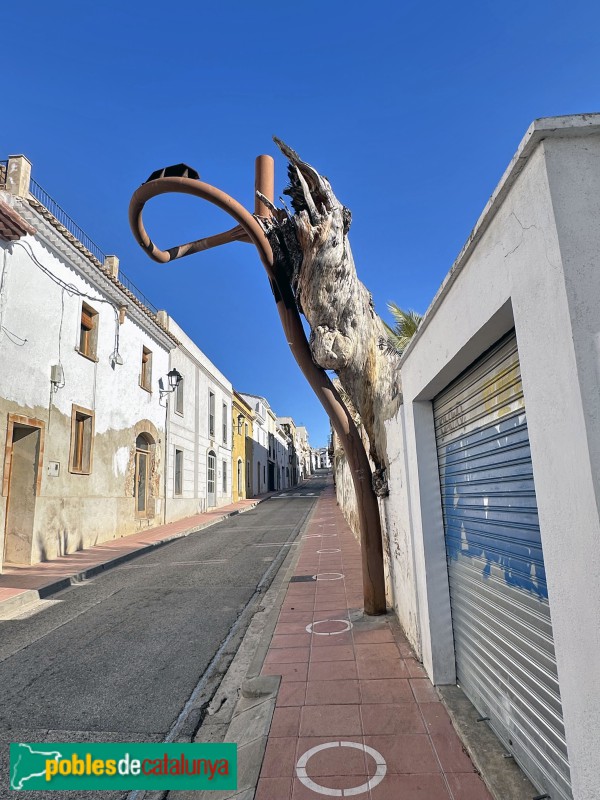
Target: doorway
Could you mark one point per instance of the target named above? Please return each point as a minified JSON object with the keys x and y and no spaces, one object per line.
{"x":142,"y":472}
{"x":23,"y":456}
{"x":271,"y":481}
{"x":210,"y":481}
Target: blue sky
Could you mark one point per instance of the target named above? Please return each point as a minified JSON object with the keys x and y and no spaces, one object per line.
{"x":412,"y":110}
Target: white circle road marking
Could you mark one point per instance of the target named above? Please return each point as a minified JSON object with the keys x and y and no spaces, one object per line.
{"x":364,"y":787}
{"x":309,"y":628}
{"x":318,"y":535}
{"x":330,"y":550}
{"x":321,"y":576}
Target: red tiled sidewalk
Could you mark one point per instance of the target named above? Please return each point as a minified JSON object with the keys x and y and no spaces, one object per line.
{"x":20,"y":584}
{"x":362,"y":686}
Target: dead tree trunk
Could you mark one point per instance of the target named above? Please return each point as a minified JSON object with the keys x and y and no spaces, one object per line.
{"x":312,"y":247}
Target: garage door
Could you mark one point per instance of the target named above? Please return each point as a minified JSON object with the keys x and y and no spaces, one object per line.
{"x":499,"y":599}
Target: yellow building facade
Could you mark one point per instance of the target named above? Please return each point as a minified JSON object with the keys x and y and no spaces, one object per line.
{"x":241,"y":454}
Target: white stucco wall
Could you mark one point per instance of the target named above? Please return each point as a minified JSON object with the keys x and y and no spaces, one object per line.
{"x":41,"y":327}
{"x":532,"y":262}
{"x":281,"y":457}
{"x":189,"y":432}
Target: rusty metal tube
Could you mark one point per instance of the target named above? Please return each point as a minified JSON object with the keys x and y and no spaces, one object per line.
{"x":264,"y":182}
{"x":341,"y":420}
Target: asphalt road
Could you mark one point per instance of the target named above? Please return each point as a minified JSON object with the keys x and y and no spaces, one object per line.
{"x":117,"y":657}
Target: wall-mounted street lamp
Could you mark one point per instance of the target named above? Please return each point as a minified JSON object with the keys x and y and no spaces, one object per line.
{"x":174,"y":378}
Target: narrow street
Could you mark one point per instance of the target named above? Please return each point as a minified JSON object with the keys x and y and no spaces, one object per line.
{"x":116,"y":658}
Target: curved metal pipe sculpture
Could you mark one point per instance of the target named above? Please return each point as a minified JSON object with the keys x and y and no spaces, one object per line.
{"x":249,"y":229}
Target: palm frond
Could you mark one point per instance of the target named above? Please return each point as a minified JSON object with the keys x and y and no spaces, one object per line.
{"x":407,"y":324}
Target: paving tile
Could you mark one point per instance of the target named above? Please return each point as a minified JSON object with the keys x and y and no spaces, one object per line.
{"x":468,"y":786}
{"x":337,"y":761}
{"x":334,"y":612}
{"x":288,"y":672}
{"x":436,"y":718}
{"x":280,"y":758}
{"x":374,"y":669}
{"x":334,"y":692}
{"x":327,"y":605}
{"x":451,"y":753}
{"x":287,"y":628}
{"x":273,"y":789}
{"x":386,"y":691}
{"x":301,"y":792}
{"x":406,"y":753}
{"x":391,"y":719}
{"x":286,"y":722}
{"x":307,"y":606}
{"x":373,"y":637}
{"x":301,"y":596}
{"x":415,"y":669}
{"x":334,"y":652}
{"x":328,"y":580}
{"x":294,"y":616}
{"x":413,"y":787}
{"x":301,"y":587}
{"x":328,"y":641}
{"x":338,"y":597}
{"x":291,"y":640}
{"x":291,"y":694}
{"x":330,"y":720}
{"x":285,"y":655}
{"x":332,"y":671}
{"x":405,"y":650}
{"x":424,"y":691}
{"x":377,"y":650}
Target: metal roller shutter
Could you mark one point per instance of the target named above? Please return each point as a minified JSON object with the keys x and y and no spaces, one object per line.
{"x":500,"y":614}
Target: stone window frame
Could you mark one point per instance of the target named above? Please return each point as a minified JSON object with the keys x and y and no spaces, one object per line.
{"x":178,"y":485}
{"x":146,"y":369}
{"x":87,"y":345}
{"x":179,"y":398}
{"x":88,"y":432}
{"x":211,"y":415}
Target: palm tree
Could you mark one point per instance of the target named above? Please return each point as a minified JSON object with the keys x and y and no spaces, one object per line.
{"x":405,"y":327}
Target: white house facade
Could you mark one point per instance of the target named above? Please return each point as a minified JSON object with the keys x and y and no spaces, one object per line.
{"x":282,"y":458}
{"x":199,"y":435}
{"x":81,"y":427}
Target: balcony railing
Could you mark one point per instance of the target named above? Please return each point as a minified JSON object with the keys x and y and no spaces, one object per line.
{"x":134,"y":290}
{"x":61,"y":216}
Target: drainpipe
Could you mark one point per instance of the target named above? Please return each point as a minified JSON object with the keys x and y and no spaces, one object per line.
{"x":166,"y":463}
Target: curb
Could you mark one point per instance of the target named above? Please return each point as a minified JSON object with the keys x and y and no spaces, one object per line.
{"x":29,"y":596}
